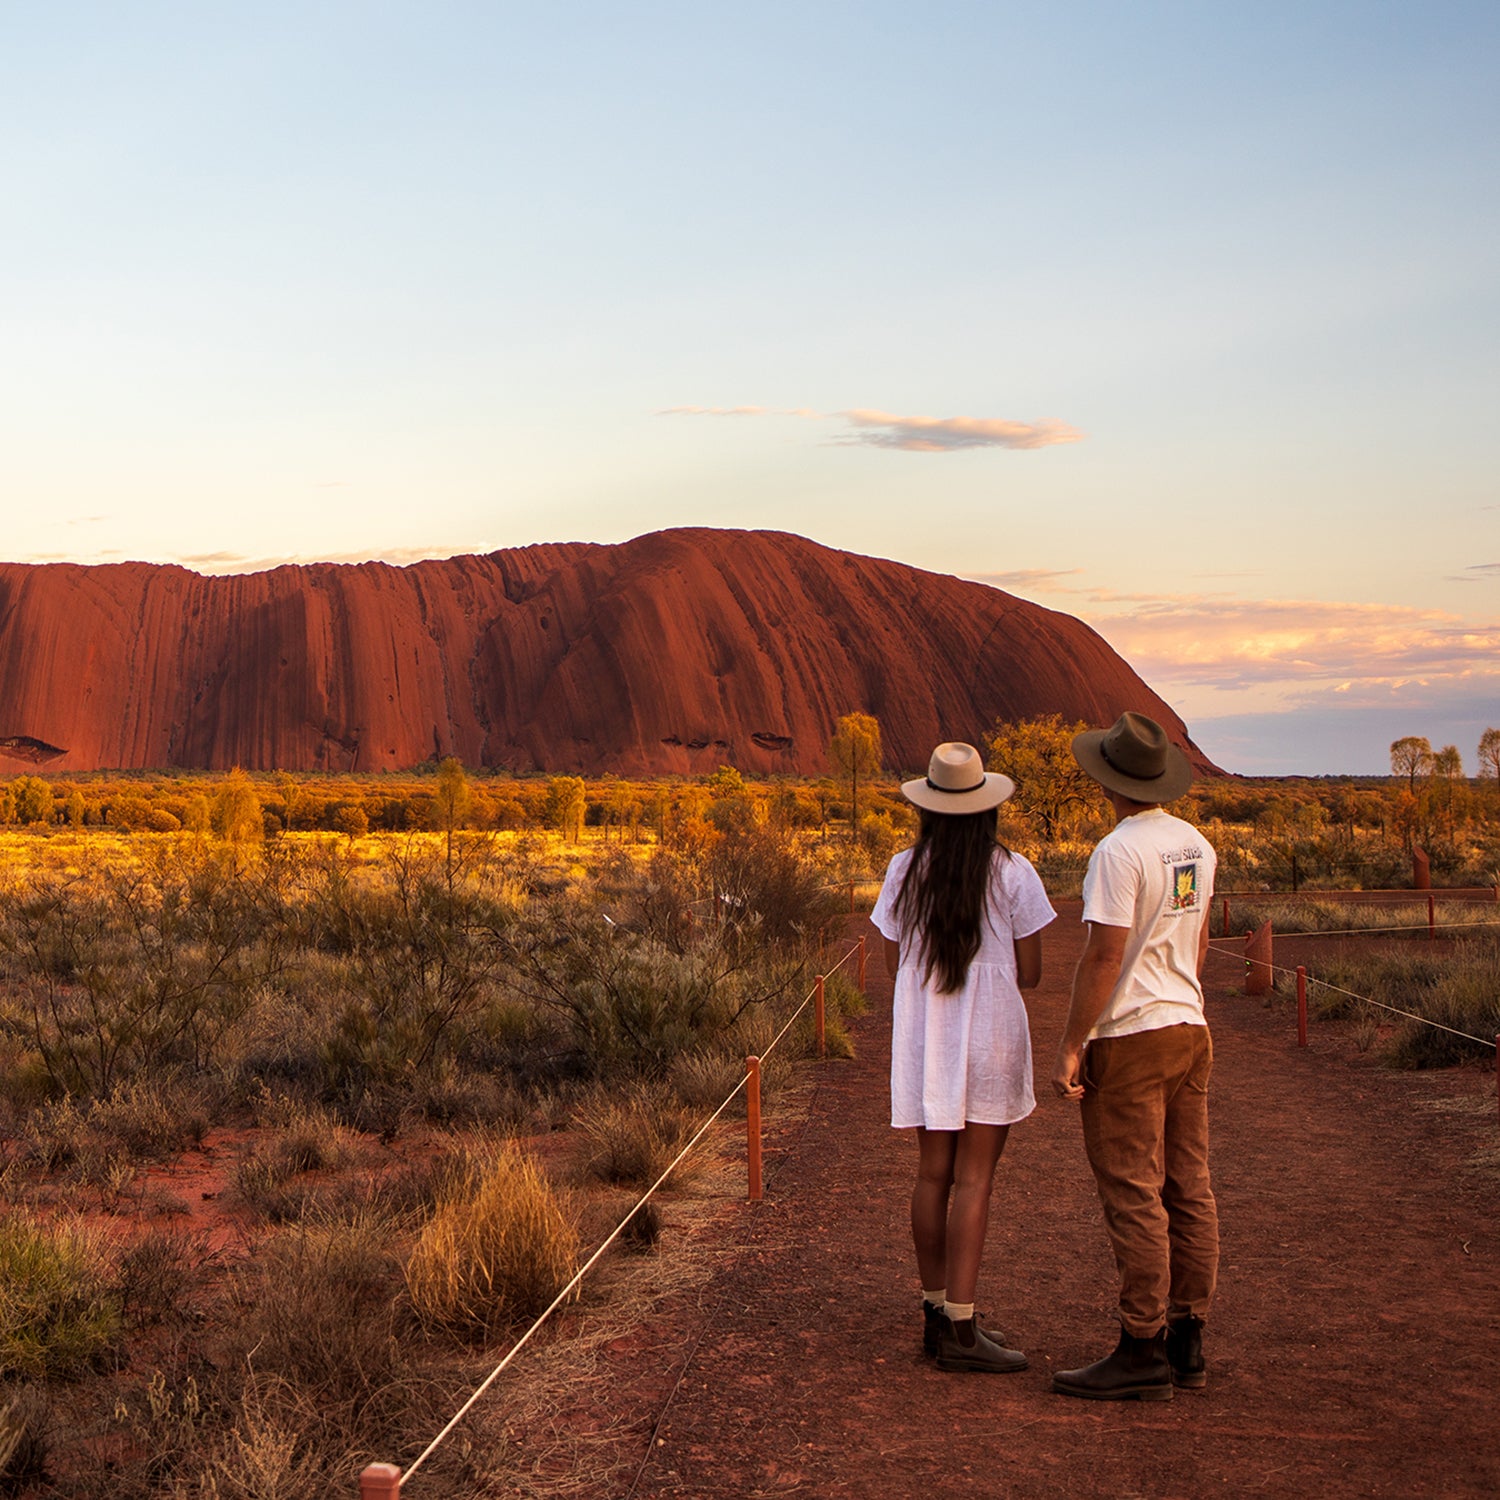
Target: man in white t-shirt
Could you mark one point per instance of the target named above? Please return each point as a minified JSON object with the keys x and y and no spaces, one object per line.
{"x":1136,"y":1054}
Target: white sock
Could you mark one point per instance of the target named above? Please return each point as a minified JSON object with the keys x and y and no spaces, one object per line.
{"x":959,"y":1312}
{"x":937,"y":1298}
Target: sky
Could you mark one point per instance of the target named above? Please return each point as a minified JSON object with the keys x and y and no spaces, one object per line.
{"x":1183,"y":319}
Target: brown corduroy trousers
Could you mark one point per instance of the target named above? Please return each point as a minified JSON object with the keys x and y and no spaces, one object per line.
{"x":1145,"y":1127}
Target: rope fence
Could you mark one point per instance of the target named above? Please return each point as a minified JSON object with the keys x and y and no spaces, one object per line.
{"x":1258,"y":956}
{"x":381,"y":1481}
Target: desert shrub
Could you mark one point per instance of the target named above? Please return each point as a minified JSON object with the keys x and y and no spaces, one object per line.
{"x":420,"y":957}
{"x":1459,"y":989}
{"x":319,"y":1311}
{"x":151,"y":1118}
{"x":58,"y":1313}
{"x":24,"y":1438}
{"x":153,"y":1276}
{"x":141,"y":963}
{"x":703,"y":1076}
{"x":497,"y":1248}
{"x":296,"y":1139}
{"x":632,"y":1140}
{"x":1466,"y":999}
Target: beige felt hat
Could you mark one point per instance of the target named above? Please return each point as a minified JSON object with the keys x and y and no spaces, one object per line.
{"x":957,"y":782}
{"x":1135,"y":758}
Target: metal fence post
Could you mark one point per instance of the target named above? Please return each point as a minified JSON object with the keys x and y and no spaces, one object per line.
{"x":818,"y":1018}
{"x":1432,"y":917}
{"x":1301,"y":1005}
{"x":861,"y":963}
{"x":752,"y":1126}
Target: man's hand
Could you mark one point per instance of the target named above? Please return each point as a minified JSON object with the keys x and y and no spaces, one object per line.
{"x":1067,"y":1076}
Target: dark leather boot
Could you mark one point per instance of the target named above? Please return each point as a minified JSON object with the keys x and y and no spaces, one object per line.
{"x":964,"y":1346}
{"x":1185,"y":1352}
{"x":933,"y":1318}
{"x":1137,"y":1371}
{"x":932,"y":1322}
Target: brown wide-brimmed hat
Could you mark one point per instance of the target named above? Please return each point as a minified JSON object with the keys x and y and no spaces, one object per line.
{"x":1135,"y":758}
{"x":957,"y":782}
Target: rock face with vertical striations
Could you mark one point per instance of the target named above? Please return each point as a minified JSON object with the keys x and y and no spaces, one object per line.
{"x":677,"y":652}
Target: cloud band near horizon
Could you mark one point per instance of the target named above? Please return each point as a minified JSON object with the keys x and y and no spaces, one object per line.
{"x":870,"y":428}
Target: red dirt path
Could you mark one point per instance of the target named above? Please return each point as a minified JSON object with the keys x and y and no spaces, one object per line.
{"x":1353,"y":1349}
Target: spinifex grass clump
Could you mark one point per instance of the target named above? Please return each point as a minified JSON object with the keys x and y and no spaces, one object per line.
{"x":632,"y":1141}
{"x":1459,"y":990}
{"x":1401,"y":919}
{"x":58,"y":1313}
{"x":497,"y":1248}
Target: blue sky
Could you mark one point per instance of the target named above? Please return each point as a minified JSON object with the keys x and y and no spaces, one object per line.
{"x":1179,"y":318}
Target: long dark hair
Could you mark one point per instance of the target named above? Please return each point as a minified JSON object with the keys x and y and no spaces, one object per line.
{"x":946,"y":887}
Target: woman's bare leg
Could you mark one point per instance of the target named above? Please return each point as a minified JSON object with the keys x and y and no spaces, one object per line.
{"x":976,"y":1154}
{"x":929,"y":1203}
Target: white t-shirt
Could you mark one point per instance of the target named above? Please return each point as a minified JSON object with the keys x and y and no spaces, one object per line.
{"x":964,"y":1055}
{"x":1154,"y":874}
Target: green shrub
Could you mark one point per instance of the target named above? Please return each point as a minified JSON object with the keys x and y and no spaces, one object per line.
{"x":58,"y":1313}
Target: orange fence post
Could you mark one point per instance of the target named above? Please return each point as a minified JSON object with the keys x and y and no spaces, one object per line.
{"x":752,"y":1125}
{"x":818,"y":1017}
{"x":380,"y":1482}
{"x":1301,"y":1005}
{"x":1432,"y":916}
{"x":861,"y":963}
{"x":1258,"y":951}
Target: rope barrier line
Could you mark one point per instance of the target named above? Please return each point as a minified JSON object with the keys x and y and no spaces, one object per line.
{"x":1340,"y":990}
{"x":614,"y":1234}
{"x":790,"y":1020}
{"x":1361,"y":931}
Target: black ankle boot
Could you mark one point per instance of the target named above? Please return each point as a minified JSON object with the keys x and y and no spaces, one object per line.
{"x":1185,"y":1352}
{"x":932,"y":1322}
{"x":964,"y":1346}
{"x":1137,"y":1371}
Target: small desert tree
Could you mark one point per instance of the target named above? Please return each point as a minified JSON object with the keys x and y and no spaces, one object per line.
{"x":31,"y":799}
{"x":855,"y":751}
{"x":567,"y":801}
{"x":1411,"y":757}
{"x":451,"y":803}
{"x":1037,"y":754}
{"x":1489,"y":754}
{"x":236,"y":811}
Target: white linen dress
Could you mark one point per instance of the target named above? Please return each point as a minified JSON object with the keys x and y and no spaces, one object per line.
{"x":964,"y":1056}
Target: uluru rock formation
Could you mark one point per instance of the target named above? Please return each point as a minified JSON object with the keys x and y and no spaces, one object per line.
{"x":677,"y":652}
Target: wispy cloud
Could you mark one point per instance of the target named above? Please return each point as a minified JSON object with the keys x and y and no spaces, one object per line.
{"x":1298,"y":651}
{"x":868,"y":428}
{"x":1039,"y":579}
{"x":717,"y":411}
{"x":1476,"y":573}
{"x":882,"y":429}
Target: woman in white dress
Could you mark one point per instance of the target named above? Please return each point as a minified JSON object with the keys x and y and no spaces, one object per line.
{"x":962,"y":918}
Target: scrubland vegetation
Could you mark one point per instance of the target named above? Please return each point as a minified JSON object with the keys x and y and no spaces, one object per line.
{"x":430,"y":1068}
{"x":422,"y":1039}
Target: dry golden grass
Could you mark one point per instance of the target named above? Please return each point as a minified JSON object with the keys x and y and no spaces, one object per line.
{"x":497,"y":1249}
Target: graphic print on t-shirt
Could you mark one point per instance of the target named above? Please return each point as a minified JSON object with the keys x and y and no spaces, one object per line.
{"x":1184,"y":887}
